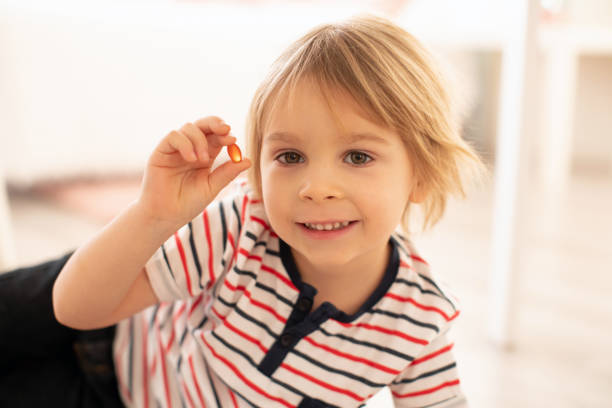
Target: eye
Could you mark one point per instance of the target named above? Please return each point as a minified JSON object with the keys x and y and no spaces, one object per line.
{"x":290,"y":157}
{"x":359,"y":158}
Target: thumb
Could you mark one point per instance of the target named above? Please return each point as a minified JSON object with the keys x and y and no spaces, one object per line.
{"x":225,"y":173}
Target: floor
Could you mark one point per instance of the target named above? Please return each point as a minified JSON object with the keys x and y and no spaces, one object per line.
{"x":562,"y":355}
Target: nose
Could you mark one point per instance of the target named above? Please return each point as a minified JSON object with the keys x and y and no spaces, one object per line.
{"x":320,"y":185}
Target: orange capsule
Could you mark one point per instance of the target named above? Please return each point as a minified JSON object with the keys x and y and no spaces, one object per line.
{"x":234,"y":153}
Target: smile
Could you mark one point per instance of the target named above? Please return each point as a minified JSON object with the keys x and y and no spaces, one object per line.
{"x":327,"y":227}
{"x":327,"y":231}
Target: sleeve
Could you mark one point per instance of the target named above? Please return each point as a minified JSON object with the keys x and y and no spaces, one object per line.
{"x":200,"y":253}
{"x":431,"y":379}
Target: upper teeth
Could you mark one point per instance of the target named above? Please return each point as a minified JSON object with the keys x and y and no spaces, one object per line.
{"x":328,"y":227}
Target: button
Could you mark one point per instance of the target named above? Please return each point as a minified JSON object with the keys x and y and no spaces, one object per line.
{"x":286,"y":340}
{"x":304,"y":305}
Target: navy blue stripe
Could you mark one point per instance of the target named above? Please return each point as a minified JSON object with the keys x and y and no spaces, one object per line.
{"x":337,"y":371}
{"x":241,"y":353}
{"x":278,"y":296}
{"x":425,"y":375}
{"x":196,"y":256}
{"x":152,"y":321}
{"x":237,"y":213}
{"x":183,"y":336}
{"x":250,"y":360}
{"x":244,"y":272}
{"x":426,"y":291}
{"x":247,"y":317}
{"x":167,"y":317}
{"x":163,"y":248}
{"x":431,"y":282}
{"x":250,"y":235}
{"x":407,"y":318}
{"x":223,"y":224}
{"x":204,"y":320}
{"x":416,"y":285}
{"x":212,"y":385}
{"x":269,"y":251}
{"x":368,"y":344}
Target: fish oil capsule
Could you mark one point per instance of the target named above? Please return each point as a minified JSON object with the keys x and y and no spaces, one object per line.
{"x":234,"y":153}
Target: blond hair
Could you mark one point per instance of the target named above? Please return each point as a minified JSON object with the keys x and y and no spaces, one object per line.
{"x":393,"y":78}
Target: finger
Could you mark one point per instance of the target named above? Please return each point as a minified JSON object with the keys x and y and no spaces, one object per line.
{"x":216,"y":143}
{"x":220,"y":140}
{"x":198,"y":139}
{"x":181,"y":143}
{"x":225,"y":173}
{"x":213,"y":124}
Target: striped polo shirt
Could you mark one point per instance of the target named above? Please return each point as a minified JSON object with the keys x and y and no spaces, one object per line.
{"x":235,"y":327}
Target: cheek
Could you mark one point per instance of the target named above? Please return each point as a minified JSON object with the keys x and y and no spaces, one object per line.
{"x":276,"y":201}
{"x":387,"y":204}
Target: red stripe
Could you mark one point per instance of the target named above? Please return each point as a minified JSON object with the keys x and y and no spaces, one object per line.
{"x":172,"y":336}
{"x":386,"y":331}
{"x":256,"y":302}
{"x":195,"y":381}
{"x":352,"y":357}
{"x":246,"y":253}
{"x":211,"y":272}
{"x":162,"y":358}
{"x":233,"y":397}
{"x":181,"y":250}
{"x":259,"y":220}
{"x":179,"y":311}
{"x":266,"y":268}
{"x":232,"y":287}
{"x":432,"y":355}
{"x":252,"y":385}
{"x":286,"y":280}
{"x":418,"y":259}
{"x":154,"y":365}
{"x":265,"y":307}
{"x":427,"y":391}
{"x":145,"y":378}
{"x":421,"y":306}
{"x":266,"y":226}
{"x":403,"y":264}
{"x":322,"y":383}
{"x":240,"y":332}
{"x":191,"y":404}
{"x":195,"y":304}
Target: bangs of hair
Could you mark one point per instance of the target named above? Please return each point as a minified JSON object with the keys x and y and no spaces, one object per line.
{"x":392,"y":78}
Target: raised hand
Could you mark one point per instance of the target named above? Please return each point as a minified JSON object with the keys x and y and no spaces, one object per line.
{"x":178,"y":182}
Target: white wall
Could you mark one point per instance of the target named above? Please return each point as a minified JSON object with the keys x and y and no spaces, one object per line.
{"x":92,"y":86}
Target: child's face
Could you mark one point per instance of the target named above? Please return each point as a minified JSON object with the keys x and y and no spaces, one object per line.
{"x":317,"y":175}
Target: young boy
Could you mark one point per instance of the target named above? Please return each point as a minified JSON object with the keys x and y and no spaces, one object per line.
{"x":298,"y":288}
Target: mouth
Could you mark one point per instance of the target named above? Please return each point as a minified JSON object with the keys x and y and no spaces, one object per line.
{"x":327,"y":226}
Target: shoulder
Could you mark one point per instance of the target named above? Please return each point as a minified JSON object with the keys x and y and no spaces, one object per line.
{"x":424,"y":292}
{"x":243,"y":207}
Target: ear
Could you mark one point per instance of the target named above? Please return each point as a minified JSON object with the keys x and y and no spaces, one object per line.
{"x":418,"y":193}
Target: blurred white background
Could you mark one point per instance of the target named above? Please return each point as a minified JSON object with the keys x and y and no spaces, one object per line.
{"x":87,"y":88}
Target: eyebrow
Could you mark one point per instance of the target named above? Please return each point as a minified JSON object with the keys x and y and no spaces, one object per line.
{"x":350,"y":138}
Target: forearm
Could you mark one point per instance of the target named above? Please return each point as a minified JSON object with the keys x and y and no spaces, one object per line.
{"x":100,"y":273}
